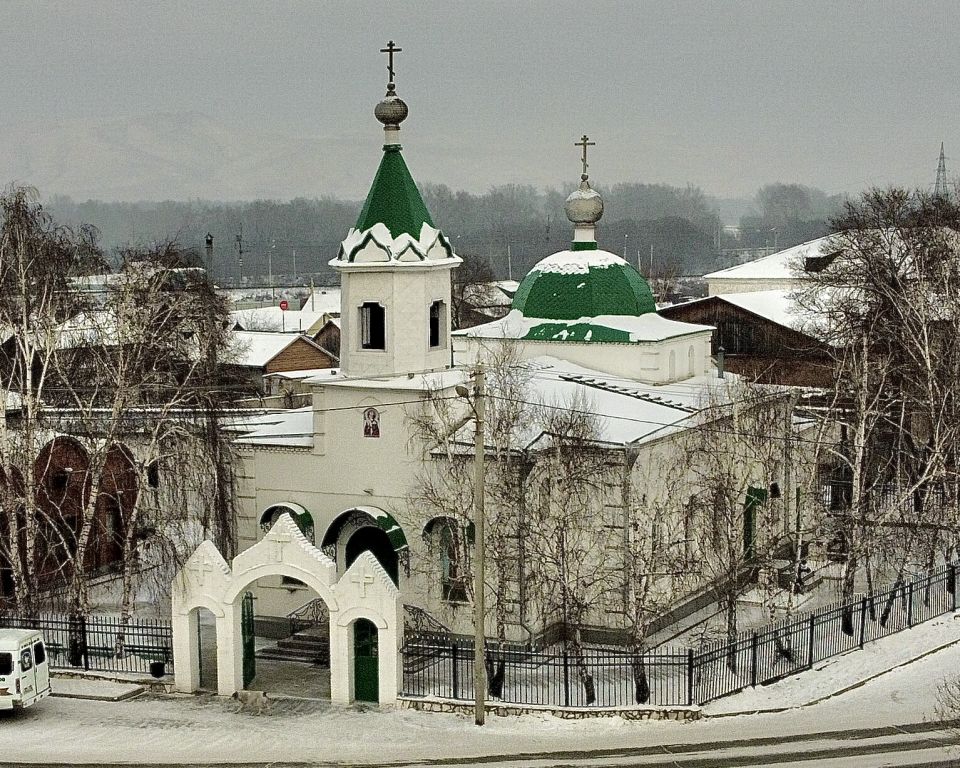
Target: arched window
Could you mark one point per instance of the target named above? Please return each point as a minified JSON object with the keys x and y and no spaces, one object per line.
{"x":673,"y":364}
{"x":372,"y":326}
{"x":300,"y":515}
{"x":691,"y":366}
{"x":437,"y":321}
{"x":448,"y":538}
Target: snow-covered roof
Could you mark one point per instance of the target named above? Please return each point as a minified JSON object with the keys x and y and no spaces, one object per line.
{"x":633,"y":329}
{"x":274,"y":319}
{"x":254,"y":349}
{"x":444,"y":379}
{"x":778,"y":306}
{"x":324,"y":300}
{"x":97,"y":327}
{"x":782,"y":265}
{"x":377,"y":245}
{"x":301,"y":375}
{"x":626,"y":411}
{"x":290,"y":427}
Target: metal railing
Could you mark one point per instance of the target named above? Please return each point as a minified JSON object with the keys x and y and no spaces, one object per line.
{"x":102,"y":643}
{"x":443,"y":668}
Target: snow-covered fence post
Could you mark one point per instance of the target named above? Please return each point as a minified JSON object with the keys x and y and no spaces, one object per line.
{"x":953,"y":586}
{"x":910,"y":604}
{"x":456,"y":671}
{"x":863,"y":619}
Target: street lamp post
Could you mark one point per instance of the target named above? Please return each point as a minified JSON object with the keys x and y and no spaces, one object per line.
{"x":479,"y":576}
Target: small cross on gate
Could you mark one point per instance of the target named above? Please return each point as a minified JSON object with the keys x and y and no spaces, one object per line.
{"x":202,"y":569}
{"x":390,"y":50}
{"x":280,"y":540}
{"x":584,"y":142}
{"x":363,"y":580}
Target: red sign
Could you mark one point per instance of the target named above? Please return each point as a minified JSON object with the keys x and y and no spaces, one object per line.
{"x":284,"y":305}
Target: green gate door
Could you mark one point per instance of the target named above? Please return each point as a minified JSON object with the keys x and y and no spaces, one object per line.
{"x":249,"y":640}
{"x":366,"y":677}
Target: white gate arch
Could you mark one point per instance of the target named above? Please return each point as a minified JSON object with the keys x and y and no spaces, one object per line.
{"x":365,"y":591}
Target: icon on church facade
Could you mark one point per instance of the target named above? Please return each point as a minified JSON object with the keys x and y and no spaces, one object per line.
{"x":371,"y":422}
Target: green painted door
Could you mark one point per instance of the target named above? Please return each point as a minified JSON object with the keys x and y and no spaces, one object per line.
{"x":249,"y":640}
{"x":366,"y":677}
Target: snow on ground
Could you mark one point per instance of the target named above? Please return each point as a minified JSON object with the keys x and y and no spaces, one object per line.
{"x":839,"y":672}
{"x":206,"y":728}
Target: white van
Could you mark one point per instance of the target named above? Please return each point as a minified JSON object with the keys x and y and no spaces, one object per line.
{"x":24,"y":670}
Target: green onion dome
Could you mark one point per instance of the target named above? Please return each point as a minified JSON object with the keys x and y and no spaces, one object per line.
{"x":582,"y":284}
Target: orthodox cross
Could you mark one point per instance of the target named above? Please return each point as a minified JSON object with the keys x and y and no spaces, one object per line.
{"x":362,"y":581}
{"x":584,"y":143}
{"x":202,"y":568}
{"x":390,"y":50}
{"x":279,"y":540}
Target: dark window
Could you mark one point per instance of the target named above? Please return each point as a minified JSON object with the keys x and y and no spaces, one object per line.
{"x":153,"y":474}
{"x":372,"y":326}
{"x":436,"y":324}
{"x":6,"y":663}
{"x":39,"y":653}
{"x":26,"y":660}
{"x":59,"y":481}
{"x":452,"y":584}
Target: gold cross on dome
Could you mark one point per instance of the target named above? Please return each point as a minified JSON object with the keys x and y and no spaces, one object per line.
{"x":584,"y":142}
{"x":390,"y":50}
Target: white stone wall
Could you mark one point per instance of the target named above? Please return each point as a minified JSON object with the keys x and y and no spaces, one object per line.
{"x":342,"y":471}
{"x":661,"y":362}
{"x":406,"y":293}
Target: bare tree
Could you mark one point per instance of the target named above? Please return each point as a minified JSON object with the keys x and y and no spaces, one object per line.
{"x":733,"y":454}
{"x":106,"y":379}
{"x":888,"y":300}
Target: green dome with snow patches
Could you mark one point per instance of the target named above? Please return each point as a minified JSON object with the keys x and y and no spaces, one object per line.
{"x":571,"y":285}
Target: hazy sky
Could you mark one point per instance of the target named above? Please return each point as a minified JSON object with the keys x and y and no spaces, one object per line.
{"x":235,"y":100}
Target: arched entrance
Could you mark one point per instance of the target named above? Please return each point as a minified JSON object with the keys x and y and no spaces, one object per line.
{"x":366,"y":680}
{"x":367,"y":529}
{"x":364,"y":593}
{"x":376,"y":542}
{"x":206,"y":640}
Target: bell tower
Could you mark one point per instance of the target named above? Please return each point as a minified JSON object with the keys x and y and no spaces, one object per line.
{"x":395,"y":268}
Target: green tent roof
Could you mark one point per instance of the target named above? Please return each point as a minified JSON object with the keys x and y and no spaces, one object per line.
{"x":394,"y":199}
{"x":574,"y":285}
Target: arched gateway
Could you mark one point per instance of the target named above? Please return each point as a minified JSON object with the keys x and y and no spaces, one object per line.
{"x":365,"y":595}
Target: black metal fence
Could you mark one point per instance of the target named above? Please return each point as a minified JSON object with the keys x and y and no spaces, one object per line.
{"x":102,"y":643}
{"x":597,"y":676}
{"x":442,"y":667}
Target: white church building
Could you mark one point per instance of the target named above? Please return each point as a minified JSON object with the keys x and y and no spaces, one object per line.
{"x":349,"y":468}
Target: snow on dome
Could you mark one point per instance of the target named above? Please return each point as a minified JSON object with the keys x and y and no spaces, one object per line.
{"x":570,"y":285}
{"x":577,"y":262}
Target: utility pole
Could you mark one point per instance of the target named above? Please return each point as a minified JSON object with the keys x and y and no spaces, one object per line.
{"x":479,"y":545}
{"x":240,"y":256}
{"x":294,"y":266}
{"x":940,"y":188}
{"x":509,"y":264}
{"x":273,"y":248}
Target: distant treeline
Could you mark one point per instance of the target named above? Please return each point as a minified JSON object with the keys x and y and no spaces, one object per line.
{"x":676,"y":229}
